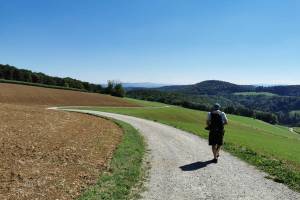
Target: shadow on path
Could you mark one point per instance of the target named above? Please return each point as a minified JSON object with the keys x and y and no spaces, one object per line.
{"x":196,"y":165}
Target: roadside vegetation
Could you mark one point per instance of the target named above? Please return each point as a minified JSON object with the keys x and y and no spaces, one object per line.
{"x":125,"y":170}
{"x":273,"y":149}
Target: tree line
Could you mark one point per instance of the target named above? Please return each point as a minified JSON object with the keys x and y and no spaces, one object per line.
{"x":12,"y":73}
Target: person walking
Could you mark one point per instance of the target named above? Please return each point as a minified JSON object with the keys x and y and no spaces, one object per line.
{"x":216,"y":120}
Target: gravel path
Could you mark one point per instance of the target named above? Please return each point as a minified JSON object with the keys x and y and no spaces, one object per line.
{"x":180,"y":168}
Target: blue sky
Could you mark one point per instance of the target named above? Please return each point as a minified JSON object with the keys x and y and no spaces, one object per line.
{"x":164,"y":41}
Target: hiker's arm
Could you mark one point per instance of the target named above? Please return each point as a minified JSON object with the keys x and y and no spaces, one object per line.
{"x":225,"y":120}
{"x":207,"y":122}
{"x":208,"y":119}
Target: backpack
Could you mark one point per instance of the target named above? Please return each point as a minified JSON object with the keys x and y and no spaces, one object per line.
{"x":216,"y":122}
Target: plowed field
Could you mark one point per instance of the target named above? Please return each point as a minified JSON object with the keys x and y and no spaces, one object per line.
{"x":31,"y":95}
{"x":48,"y":154}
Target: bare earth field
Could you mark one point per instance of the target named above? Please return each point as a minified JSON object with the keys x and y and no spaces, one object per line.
{"x":31,"y":95}
{"x":48,"y":154}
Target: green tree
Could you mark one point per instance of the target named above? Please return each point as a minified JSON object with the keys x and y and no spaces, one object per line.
{"x":118,"y":91}
{"x":110,"y":87}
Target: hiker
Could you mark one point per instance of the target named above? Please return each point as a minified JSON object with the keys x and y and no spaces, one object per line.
{"x":216,"y":120}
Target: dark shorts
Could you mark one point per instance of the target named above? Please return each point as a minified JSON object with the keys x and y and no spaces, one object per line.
{"x":216,"y":137}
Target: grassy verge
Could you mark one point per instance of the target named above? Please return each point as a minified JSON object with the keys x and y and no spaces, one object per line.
{"x":273,"y":149}
{"x":125,"y":169}
{"x":279,"y":170}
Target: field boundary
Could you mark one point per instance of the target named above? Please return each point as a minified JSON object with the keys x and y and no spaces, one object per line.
{"x":127,"y":171}
{"x":41,"y":85}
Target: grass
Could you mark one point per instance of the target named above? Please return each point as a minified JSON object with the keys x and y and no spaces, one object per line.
{"x":146,"y":103}
{"x":255,"y":94}
{"x":125,"y":169}
{"x":274,"y":149}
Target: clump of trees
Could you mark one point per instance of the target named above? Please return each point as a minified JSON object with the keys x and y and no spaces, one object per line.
{"x":115,"y":88}
{"x":246,"y":112}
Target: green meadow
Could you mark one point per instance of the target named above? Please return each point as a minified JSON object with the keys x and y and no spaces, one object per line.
{"x":271,"y":148}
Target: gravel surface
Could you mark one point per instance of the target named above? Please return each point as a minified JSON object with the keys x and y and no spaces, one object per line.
{"x":181,"y":168}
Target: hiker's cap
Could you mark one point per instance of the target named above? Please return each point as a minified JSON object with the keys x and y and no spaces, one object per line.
{"x":217,"y":106}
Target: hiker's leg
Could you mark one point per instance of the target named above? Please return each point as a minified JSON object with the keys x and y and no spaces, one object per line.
{"x":218,"y":150}
{"x":214,"y":150}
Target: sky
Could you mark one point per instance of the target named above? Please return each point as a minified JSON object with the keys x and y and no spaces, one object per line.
{"x":162,"y":41}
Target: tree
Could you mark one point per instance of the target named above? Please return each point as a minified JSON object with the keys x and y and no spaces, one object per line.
{"x":118,"y":90}
{"x":35,"y":78}
{"x":110,"y":87}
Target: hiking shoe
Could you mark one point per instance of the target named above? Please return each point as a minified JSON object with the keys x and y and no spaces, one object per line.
{"x":215,"y":160}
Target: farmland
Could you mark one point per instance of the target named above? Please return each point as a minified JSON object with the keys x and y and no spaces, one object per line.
{"x":48,"y":154}
{"x":38,"y":161}
{"x":31,"y":95}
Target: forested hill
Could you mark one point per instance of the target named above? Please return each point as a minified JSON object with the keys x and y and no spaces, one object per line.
{"x":215,"y":87}
{"x":288,"y":90}
{"x":211,"y":87}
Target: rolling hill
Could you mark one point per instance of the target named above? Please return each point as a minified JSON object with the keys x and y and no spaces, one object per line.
{"x":210,"y":87}
{"x":216,"y":87}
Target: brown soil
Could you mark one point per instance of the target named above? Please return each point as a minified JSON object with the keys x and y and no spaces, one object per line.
{"x":31,"y":95}
{"x":47,"y":154}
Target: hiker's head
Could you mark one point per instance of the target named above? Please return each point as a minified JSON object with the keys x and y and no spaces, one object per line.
{"x":217,"y":106}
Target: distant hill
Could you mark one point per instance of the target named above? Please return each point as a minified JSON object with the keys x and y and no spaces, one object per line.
{"x":215,"y":87}
{"x":210,"y":87}
{"x":247,"y":100}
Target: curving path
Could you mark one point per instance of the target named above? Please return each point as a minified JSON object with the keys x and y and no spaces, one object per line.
{"x":180,"y":168}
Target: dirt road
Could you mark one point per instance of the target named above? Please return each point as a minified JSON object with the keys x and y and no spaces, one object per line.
{"x":181,"y":168}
